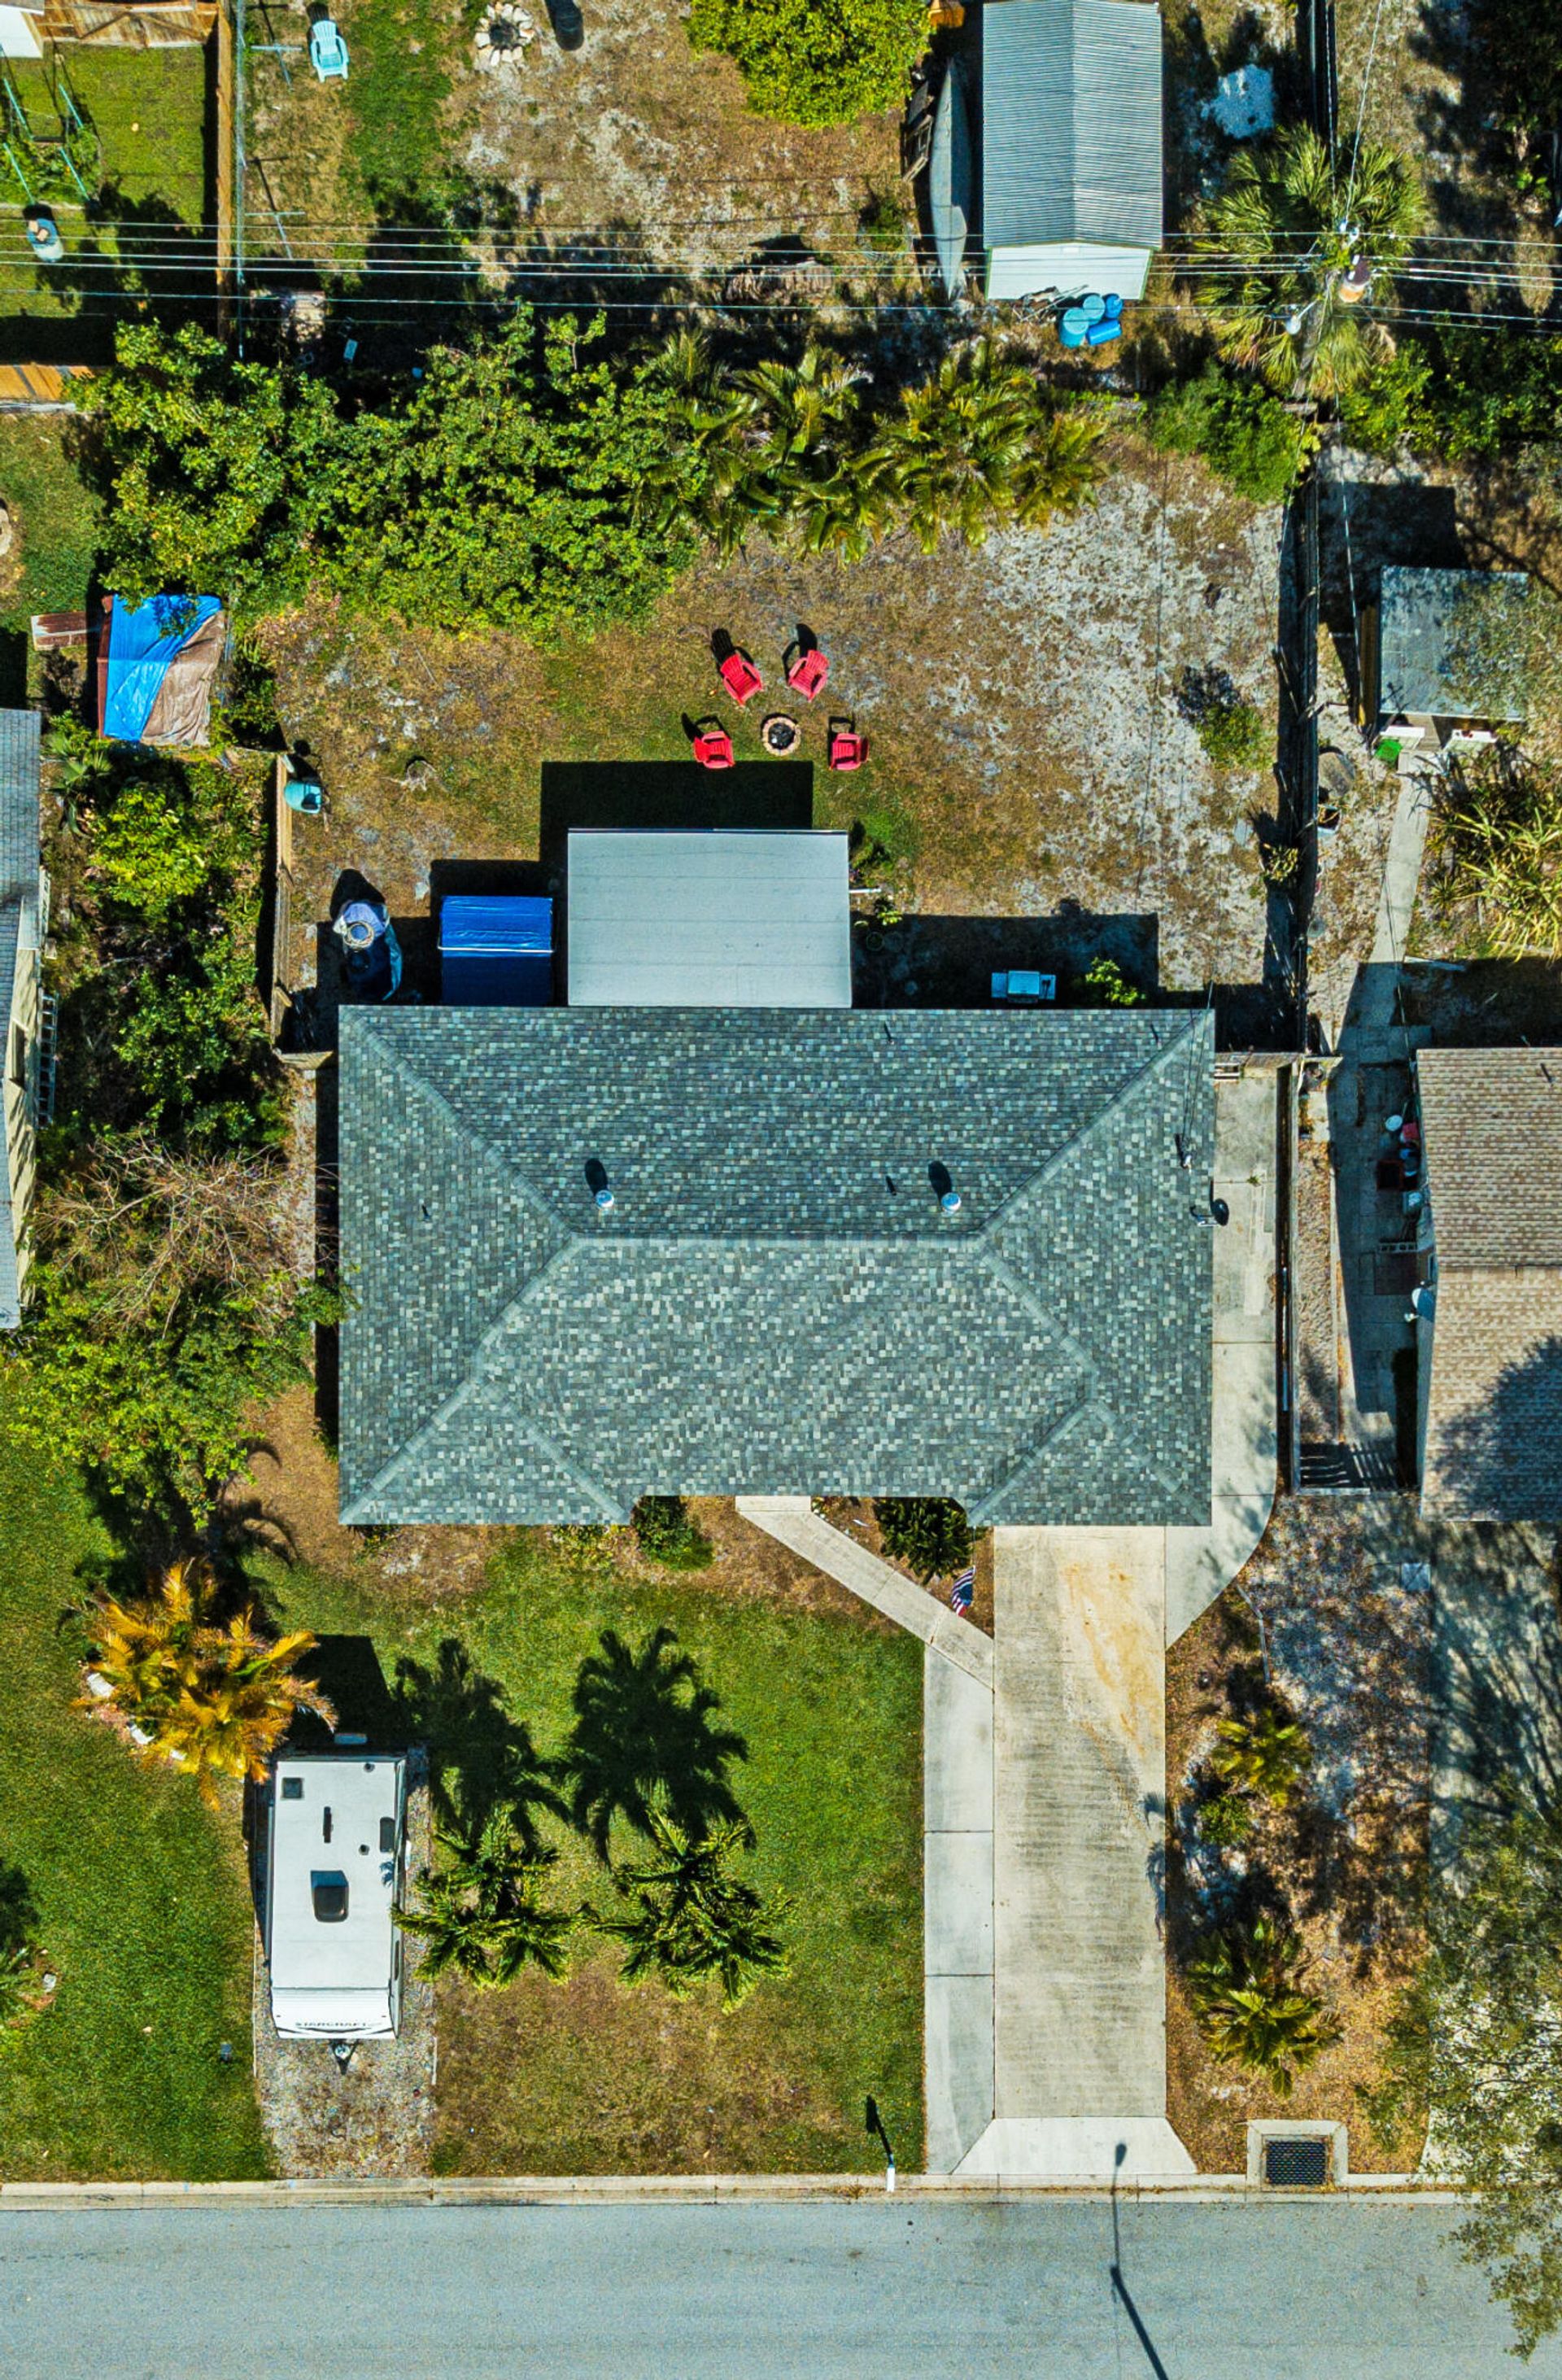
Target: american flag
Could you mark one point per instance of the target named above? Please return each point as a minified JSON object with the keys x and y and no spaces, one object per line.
{"x":963,"y":1588}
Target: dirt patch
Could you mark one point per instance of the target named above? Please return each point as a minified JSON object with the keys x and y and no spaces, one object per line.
{"x":1031,"y":750}
{"x":1350,"y":1635}
{"x":374,"y":2118}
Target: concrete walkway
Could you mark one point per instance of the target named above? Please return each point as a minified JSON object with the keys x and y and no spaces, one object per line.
{"x":1366,"y":1027}
{"x":793,"y":1521}
{"x":1079,"y":1735}
{"x":1200,"y":1563}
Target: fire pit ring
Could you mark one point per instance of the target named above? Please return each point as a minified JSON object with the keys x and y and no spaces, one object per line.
{"x":779,"y":735}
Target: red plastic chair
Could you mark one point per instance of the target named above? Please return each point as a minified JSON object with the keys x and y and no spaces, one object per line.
{"x":807,"y":673}
{"x":847,"y":748}
{"x":740,"y":677}
{"x":714,"y":751}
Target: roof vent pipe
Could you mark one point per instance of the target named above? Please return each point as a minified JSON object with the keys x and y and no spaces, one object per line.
{"x":942,"y":1182}
{"x":596,"y":1182}
{"x":949,"y":1202}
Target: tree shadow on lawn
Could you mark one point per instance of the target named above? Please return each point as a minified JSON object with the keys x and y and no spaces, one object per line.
{"x":643,"y":1737}
{"x":480,"y":1759}
{"x":18,"y":1912}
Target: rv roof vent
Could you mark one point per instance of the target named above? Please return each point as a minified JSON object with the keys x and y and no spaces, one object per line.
{"x":327,"y":1890}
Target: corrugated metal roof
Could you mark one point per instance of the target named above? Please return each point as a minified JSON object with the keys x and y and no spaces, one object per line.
{"x":1450,"y":644}
{"x":1071,"y":123}
{"x":726,"y":918}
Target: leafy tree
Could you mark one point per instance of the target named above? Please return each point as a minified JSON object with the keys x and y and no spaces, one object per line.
{"x":217,"y":1698}
{"x":827,"y":64}
{"x":977,"y":445}
{"x":1245,"y":1989}
{"x":506,"y":490}
{"x":198,"y":460}
{"x":643,"y":1739}
{"x":1276,"y":243}
{"x":1265,"y":1754}
{"x":1476,"y":2042}
{"x":1103,"y":985}
{"x":668,"y":1536}
{"x":482,"y":1917}
{"x":693,"y":1920}
{"x":931,"y":1533}
{"x":1244,"y":433}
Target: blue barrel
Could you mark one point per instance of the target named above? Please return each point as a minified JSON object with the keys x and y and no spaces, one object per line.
{"x":1100,"y":332}
{"x":1093,"y":308}
{"x":1114,"y":307}
{"x":1075,"y":328}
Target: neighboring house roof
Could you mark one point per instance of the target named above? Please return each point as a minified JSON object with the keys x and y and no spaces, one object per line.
{"x":1492,"y":1130}
{"x":775,"y":1301}
{"x":1070,"y":137}
{"x":20,"y":874}
{"x":728,"y":919}
{"x":1450,"y":644}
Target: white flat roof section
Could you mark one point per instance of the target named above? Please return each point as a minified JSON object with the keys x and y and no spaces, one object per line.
{"x":722,"y":918}
{"x":335,"y":1820}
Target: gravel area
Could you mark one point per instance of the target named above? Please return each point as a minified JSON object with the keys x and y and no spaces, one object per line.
{"x":1317,"y":1353}
{"x":376,"y":2119}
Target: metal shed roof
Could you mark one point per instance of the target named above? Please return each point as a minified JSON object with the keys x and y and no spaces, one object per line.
{"x":724,"y":918}
{"x":1450,"y":644}
{"x":1071,"y":124}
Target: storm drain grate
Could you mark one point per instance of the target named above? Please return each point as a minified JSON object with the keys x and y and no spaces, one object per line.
{"x":1296,"y":2165}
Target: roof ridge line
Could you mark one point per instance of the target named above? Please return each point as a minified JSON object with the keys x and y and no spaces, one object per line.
{"x":1038,"y":1448}
{"x":403,"y":1071}
{"x":1055,"y":1163}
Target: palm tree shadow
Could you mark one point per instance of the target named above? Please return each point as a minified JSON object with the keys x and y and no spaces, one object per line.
{"x":480,"y":1757}
{"x":18,"y":1912}
{"x":643,"y":1738}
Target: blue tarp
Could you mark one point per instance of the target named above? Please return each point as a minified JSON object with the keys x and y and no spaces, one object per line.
{"x":143,"y":642}
{"x":496,"y":949}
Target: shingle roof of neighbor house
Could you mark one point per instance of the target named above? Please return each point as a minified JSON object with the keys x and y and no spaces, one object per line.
{"x":775,"y":1301}
{"x":1491,"y":1129}
{"x":19,"y":877}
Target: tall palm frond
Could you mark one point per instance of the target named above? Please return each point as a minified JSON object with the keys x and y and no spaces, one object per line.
{"x":977,"y":445}
{"x":1247,"y":1997}
{"x":693,"y":1920}
{"x":1280,"y":236}
{"x":482,"y":1916}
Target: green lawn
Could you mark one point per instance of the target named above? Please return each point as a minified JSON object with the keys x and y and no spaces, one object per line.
{"x":590,"y":2077}
{"x":140,"y":1896}
{"x":57,"y":518}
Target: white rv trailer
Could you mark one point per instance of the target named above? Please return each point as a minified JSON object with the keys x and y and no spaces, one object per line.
{"x":334,"y":1847}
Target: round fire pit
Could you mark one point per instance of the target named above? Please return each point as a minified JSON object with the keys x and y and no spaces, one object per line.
{"x":779,"y":735}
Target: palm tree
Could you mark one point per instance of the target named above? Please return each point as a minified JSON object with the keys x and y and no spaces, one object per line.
{"x":482,"y":1917}
{"x":1250,"y":2010}
{"x":216,"y":1698}
{"x":693,"y":1920}
{"x":1267,"y":1754}
{"x":1277,"y":245}
{"x":643,"y":1738}
{"x":976,"y":445}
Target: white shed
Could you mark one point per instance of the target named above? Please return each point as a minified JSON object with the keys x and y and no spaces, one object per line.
{"x":717,"y":918}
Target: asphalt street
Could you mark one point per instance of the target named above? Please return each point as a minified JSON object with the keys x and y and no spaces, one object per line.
{"x":1336,"y":2291}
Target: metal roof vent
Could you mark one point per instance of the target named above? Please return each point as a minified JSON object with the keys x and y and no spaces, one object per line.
{"x":596,"y":1182}
{"x":943,"y":1188}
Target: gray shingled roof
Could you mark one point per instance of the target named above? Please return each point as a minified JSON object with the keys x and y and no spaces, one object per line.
{"x":775,"y":1303}
{"x":19,"y":871}
{"x":1071,"y":123}
{"x":1491,"y":1128}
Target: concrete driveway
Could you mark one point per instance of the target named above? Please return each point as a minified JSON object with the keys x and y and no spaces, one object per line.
{"x":1079,"y":1763}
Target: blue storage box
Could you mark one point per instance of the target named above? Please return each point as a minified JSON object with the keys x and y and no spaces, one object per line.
{"x":496,"y":950}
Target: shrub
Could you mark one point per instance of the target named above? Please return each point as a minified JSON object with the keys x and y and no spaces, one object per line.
{"x":668,"y":1536}
{"x":1234,"y":736}
{"x":823,"y":64}
{"x":1244,"y":434}
{"x":1226,"y":1822}
{"x":1265,"y":1754}
{"x":930,"y":1533}
{"x":1103,"y":985}
{"x":1248,"y":2001}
